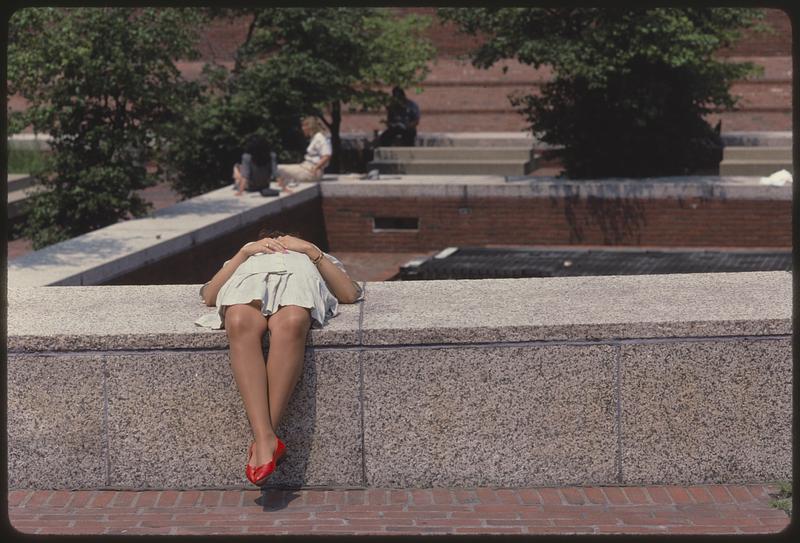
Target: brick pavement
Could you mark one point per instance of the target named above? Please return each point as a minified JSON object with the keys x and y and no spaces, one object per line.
{"x":706,"y":509}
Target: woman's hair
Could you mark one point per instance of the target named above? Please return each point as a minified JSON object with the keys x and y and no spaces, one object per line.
{"x":258,"y":148}
{"x":315,"y":124}
{"x":267,"y":232}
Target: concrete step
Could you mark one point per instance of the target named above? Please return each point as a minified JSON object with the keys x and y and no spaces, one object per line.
{"x":453,"y":153}
{"x":16,"y":202}
{"x":454,"y":167}
{"x":779,"y":138}
{"x":475,"y":139}
{"x":757,"y":153}
{"x":19,"y":181}
{"x":754,"y":167}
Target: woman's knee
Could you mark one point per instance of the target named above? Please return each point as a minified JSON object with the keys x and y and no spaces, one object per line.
{"x":243,"y":320}
{"x":290,"y":322}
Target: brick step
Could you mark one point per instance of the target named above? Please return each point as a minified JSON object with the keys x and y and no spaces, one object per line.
{"x":486,"y":94}
{"x":479,"y":121}
{"x":454,"y":153}
{"x":454,"y":167}
{"x":754,"y":167}
{"x":780,"y":154}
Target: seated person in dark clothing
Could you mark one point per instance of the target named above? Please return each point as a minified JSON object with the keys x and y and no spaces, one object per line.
{"x":254,"y":172}
{"x":402,"y":120}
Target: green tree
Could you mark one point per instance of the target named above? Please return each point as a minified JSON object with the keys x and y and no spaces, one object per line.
{"x":103,"y":83}
{"x":295,"y":62}
{"x":631,"y":86}
{"x":209,"y":137}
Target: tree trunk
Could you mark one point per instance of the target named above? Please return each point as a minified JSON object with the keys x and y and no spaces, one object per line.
{"x":336,"y":140}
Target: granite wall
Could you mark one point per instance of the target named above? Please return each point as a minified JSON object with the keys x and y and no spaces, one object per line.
{"x":675,"y":379}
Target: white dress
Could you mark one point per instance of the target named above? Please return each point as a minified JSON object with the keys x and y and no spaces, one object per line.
{"x":277,"y":279}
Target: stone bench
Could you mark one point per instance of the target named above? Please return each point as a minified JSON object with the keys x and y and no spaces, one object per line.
{"x":681,"y":379}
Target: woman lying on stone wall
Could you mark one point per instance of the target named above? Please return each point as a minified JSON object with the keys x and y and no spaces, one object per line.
{"x":281,"y":285}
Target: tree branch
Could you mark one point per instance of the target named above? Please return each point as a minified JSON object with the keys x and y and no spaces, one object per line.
{"x":237,"y":66}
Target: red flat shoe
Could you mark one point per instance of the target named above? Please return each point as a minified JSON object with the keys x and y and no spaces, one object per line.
{"x":259,"y":474}
{"x":248,"y":469}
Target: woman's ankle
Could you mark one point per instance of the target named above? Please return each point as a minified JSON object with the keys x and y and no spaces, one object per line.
{"x":267,"y":439}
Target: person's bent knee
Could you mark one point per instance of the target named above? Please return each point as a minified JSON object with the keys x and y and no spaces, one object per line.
{"x":243,"y":320}
{"x":292,"y":324}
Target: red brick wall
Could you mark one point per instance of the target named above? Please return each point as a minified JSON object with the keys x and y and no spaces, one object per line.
{"x":445,"y":222}
{"x":754,"y":43}
{"x":345,"y":225}
{"x":460,"y":98}
{"x":221,"y":38}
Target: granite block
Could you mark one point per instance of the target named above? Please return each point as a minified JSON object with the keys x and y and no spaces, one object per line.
{"x":706,"y":412}
{"x":176,"y":420}
{"x":55,"y":427}
{"x":322,"y":429}
{"x":577,"y":308}
{"x":502,"y":416}
{"x":131,"y":317}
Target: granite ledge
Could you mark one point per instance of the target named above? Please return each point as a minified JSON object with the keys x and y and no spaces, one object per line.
{"x":600,"y":308}
{"x":132,"y":317}
{"x":609,"y":308}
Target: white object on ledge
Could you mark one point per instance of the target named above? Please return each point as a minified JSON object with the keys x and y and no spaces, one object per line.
{"x":778,"y":179}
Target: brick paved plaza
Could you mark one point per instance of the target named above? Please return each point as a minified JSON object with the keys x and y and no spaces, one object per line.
{"x":710,"y":509}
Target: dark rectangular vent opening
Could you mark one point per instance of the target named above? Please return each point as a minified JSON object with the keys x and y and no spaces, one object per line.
{"x":395,"y":223}
{"x":488,"y":263}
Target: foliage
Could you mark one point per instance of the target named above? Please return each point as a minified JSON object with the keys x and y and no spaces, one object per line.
{"x":103,"y":83}
{"x":631,"y":85}
{"x":208,"y":140}
{"x":295,"y":62}
{"x":783,"y":499}
{"x":340,"y":54}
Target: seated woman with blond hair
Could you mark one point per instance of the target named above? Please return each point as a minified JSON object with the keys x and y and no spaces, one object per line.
{"x":318,"y":155}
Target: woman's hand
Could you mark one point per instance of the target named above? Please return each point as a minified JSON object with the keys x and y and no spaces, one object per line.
{"x":299,"y":245}
{"x":264,"y":245}
{"x":320,"y":167}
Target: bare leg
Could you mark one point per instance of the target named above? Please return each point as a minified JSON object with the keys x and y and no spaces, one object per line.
{"x":288,"y":328}
{"x":283,"y":185}
{"x":246,"y":326}
{"x":241,"y":182}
